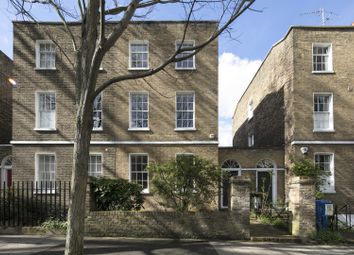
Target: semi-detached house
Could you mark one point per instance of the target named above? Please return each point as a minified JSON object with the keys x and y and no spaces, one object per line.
{"x":136,"y":122}
{"x":300,"y":104}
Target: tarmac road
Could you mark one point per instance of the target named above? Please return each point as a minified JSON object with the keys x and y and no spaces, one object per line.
{"x":49,"y":245}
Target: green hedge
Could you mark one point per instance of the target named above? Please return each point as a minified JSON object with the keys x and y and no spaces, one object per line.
{"x":116,"y":194}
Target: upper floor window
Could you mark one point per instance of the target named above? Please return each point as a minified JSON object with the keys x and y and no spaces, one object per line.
{"x":45,"y":110}
{"x":250,"y":110}
{"x":97,"y":113}
{"x":322,"y":57}
{"x":139,"y":55}
{"x":45,"y":170}
{"x":250,"y":140}
{"x":139,"y":110}
{"x":45,"y":54}
{"x":95,"y":165}
{"x":138,"y":172}
{"x":188,"y":63}
{"x":185,"y":110}
{"x":325,"y":162}
{"x":323,"y":112}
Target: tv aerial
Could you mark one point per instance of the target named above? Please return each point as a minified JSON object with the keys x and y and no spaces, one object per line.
{"x":323,"y":14}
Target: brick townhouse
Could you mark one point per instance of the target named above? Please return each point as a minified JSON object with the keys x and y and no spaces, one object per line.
{"x":5,"y":119}
{"x":300,"y":104}
{"x":136,"y":122}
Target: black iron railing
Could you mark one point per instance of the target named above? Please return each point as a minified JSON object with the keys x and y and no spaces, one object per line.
{"x":31,"y":203}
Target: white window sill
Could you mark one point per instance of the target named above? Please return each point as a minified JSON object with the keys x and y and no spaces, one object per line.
{"x":45,"y":69}
{"x":138,"y":69}
{"x":38,"y":191}
{"x":185,"y":69}
{"x":324,"y":131}
{"x":329,"y":192}
{"x":323,"y":72}
{"x":185,"y":129}
{"x":97,"y":129}
{"x":45,"y":129}
{"x":138,"y":129}
{"x":145,"y":192}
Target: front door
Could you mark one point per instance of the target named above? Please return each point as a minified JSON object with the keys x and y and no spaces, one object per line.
{"x":264,"y":185}
{"x":225,"y":189}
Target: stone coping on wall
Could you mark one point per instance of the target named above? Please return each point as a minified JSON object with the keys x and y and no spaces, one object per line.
{"x":208,"y":225}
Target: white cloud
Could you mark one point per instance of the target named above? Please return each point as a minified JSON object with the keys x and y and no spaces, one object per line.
{"x":234,"y":76}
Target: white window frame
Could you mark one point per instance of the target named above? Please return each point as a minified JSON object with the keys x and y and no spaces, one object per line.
{"x":238,"y":170}
{"x":36,"y":174}
{"x":330,"y":57}
{"x":37,"y":48}
{"x":193,"y":57}
{"x":250,"y":140}
{"x":99,"y":128}
{"x":250,"y":109}
{"x":130,"y":54}
{"x":130,"y":112}
{"x":147,"y":190}
{"x":331,"y":117}
{"x":332,"y":186}
{"x":100,"y":155}
{"x":37,"y":117}
{"x":194,"y":100}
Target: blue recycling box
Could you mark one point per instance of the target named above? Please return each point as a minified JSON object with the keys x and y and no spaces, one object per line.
{"x":322,"y":220}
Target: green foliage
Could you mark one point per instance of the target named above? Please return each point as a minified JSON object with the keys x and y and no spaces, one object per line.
{"x":116,"y":194}
{"x":54,"y":224}
{"x":189,"y":182}
{"x":328,"y":237}
{"x":268,"y":220}
{"x":306,"y":168}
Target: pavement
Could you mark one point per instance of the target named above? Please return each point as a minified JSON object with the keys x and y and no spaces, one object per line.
{"x":49,"y":245}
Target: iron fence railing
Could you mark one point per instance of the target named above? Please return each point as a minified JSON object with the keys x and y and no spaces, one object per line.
{"x":31,"y":203}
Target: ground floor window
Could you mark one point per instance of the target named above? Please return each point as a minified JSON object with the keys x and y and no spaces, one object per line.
{"x":95,"y":165}
{"x":45,"y":170}
{"x":230,"y":168}
{"x":138,"y":173}
{"x":325,"y":162}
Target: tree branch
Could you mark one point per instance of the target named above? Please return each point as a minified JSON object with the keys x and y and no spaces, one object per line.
{"x":61,"y":16}
{"x":239,"y":9}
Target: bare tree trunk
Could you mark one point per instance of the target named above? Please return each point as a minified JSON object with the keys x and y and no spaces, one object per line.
{"x":76,"y":215}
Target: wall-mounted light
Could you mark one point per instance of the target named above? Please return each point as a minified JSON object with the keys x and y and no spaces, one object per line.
{"x":12,"y":82}
{"x":304,"y":150}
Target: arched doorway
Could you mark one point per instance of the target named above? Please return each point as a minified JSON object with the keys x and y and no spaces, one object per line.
{"x":266,"y":179}
{"x":232,"y":168}
{"x":6,"y":172}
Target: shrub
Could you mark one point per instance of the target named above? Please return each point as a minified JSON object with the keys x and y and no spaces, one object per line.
{"x":328,"y":237}
{"x":116,"y":194}
{"x":186,"y":183}
{"x":54,"y":224}
{"x":307,"y":168}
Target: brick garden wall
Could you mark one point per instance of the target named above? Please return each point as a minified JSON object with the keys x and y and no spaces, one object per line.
{"x":214,"y":225}
{"x":232,"y":224}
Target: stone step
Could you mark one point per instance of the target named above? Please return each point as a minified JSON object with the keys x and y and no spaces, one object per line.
{"x":276,"y":239}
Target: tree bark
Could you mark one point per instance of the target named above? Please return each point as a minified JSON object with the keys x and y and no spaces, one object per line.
{"x":76,"y":214}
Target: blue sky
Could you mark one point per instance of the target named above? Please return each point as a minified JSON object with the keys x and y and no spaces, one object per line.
{"x":238,"y":59}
